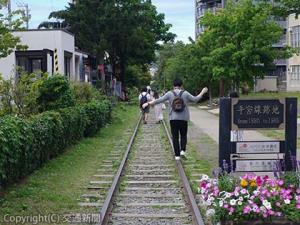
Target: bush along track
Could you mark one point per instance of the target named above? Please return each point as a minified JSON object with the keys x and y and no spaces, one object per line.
{"x":26,"y":144}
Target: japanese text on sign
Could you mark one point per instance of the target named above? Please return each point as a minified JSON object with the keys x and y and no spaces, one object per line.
{"x":255,"y":114}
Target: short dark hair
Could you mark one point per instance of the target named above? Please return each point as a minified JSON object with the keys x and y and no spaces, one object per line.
{"x":233,"y":94}
{"x":177,"y":82}
{"x":144,"y":89}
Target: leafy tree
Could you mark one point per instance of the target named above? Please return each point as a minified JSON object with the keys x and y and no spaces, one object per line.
{"x":240,"y":38}
{"x":137,"y":76}
{"x":182,"y":61}
{"x":128,"y":30}
{"x":8,"y":42}
{"x":55,"y":93}
{"x":20,"y":96}
{"x":287,"y":7}
{"x":165,"y":52}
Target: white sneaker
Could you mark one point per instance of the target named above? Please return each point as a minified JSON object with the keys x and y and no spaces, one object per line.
{"x":182,"y":153}
{"x":177,"y":157}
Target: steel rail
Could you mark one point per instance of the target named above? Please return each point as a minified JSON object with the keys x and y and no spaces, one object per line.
{"x":104,"y":213}
{"x":189,"y":194}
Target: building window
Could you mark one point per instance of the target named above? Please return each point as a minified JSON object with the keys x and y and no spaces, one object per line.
{"x":34,"y":61}
{"x":67,"y":63}
{"x":36,"y":65}
{"x":295,"y":73}
{"x":29,"y":65}
{"x":295,"y":38}
{"x":68,"y":67}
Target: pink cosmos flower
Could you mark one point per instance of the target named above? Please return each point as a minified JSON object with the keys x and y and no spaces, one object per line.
{"x":225,"y":206}
{"x":298,"y":206}
{"x":280,"y":182}
{"x":271,"y":212}
{"x":246,"y":209}
{"x":259,"y":181}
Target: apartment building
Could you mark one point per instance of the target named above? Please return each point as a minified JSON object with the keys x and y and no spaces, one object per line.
{"x":293,"y":63}
{"x":201,"y":7}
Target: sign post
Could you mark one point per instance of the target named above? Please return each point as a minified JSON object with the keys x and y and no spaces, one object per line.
{"x":254,"y":114}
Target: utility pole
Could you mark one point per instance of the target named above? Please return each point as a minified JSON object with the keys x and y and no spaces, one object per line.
{"x":9,"y":6}
{"x":27,"y":15}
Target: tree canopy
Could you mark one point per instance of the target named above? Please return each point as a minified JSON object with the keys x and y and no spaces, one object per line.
{"x":236,"y":47}
{"x":8,"y":42}
{"x":128,"y":30}
{"x":241,"y":39}
{"x":287,"y":7}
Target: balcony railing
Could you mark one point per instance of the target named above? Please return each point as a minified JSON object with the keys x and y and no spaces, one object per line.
{"x":280,"y":62}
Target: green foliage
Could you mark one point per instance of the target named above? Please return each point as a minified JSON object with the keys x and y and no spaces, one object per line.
{"x":127,"y":30}
{"x":286,"y":7}
{"x":55,"y":93}
{"x":137,"y":76}
{"x":85,"y":92}
{"x":185,"y":62}
{"x":28,"y":143}
{"x":14,"y":21}
{"x":227,"y":183}
{"x":165,"y":53}
{"x":240,"y":39}
{"x":133,"y":94}
{"x":291,"y":178}
{"x":19,"y":96}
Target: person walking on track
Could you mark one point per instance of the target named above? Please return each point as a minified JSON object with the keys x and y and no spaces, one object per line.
{"x":179,"y":114}
{"x":158,"y":108}
{"x":144,"y":97}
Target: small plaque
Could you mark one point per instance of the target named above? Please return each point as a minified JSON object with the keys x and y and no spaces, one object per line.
{"x":255,"y":114}
{"x":258,"y":147}
{"x":256,"y":165}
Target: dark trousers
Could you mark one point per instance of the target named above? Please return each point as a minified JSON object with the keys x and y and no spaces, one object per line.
{"x":179,"y":126}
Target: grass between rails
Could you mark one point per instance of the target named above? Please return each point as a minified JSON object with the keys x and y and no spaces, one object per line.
{"x":56,"y":187}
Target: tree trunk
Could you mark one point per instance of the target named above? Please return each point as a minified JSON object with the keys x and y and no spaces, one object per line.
{"x":222,"y":88}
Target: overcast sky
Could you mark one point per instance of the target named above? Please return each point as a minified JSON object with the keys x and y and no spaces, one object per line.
{"x":180,"y":13}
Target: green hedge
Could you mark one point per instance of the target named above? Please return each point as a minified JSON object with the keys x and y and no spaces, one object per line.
{"x":25,"y":144}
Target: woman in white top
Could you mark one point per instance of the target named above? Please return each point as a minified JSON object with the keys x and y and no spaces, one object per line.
{"x":158,"y":109}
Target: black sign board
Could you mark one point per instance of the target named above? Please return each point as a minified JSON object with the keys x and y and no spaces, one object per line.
{"x":246,"y":114}
{"x":258,"y":114}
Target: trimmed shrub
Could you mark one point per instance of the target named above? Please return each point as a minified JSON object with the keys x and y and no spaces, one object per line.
{"x":55,"y":93}
{"x":26,"y":144}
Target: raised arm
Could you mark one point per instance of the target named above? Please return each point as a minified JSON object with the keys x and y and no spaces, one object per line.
{"x":158,"y":101}
{"x":192,"y":98}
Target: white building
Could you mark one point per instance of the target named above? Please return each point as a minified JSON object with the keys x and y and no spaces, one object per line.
{"x":40,"y":54}
{"x":293,"y":68}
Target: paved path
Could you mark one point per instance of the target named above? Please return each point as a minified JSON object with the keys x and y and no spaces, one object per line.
{"x":209,"y":124}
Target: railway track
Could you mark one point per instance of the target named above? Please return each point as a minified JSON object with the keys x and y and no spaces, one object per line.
{"x":148,"y":187}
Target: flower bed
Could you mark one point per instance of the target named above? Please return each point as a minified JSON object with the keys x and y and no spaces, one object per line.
{"x":261,"y":200}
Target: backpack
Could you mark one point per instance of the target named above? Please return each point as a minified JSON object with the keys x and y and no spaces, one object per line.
{"x":178,"y":104}
{"x":143,"y":100}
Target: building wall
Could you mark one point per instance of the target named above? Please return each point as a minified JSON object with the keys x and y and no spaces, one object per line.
{"x":293,"y":69}
{"x":39,"y":40}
